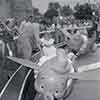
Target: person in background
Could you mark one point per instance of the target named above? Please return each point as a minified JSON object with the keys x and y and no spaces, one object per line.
{"x":36,"y":32}
{"x":98,"y":31}
{"x":21,"y":27}
{"x":15,"y":29}
{"x":10,"y":23}
{"x":92,"y":36}
{"x":43,"y":25}
{"x":94,"y":28}
{"x":24,"y":47}
{"x":86,"y":23}
{"x":5,"y":32}
{"x":84,"y":35}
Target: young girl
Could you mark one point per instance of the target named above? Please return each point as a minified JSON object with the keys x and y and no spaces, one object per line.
{"x":49,"y":50}
{"x":48,"y":45}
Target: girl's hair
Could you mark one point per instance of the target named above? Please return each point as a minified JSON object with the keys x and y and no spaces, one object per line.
{"x":7,"y":22}
{"x":74,"y":51}
{"x":90,"y":33}
{"x":41,"y":35}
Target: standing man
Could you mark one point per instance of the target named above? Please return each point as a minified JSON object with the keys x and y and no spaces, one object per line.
{"x":36,"y":32}
{"x":29,"y":38}
{"x":23,"y":22}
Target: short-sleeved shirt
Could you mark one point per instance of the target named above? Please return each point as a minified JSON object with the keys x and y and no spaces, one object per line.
{"x":48,"y":47}
{"x":47,"y":42}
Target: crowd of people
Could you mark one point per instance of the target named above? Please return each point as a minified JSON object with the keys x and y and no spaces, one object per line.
{"x":27,"y":33}
{"x":17,"y":38}
{"x":27,"y":36}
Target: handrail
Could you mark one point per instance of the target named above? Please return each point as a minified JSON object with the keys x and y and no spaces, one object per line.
{"x":36,"y":54}
{"x":53,"y":30}
{"x":8,"y":82}
{"x":60,"y":44}
{"x":23,"y":85}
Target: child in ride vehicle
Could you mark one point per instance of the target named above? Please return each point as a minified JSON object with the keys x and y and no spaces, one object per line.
{"x":48,"y":49}
{"x":61,"y":63}
{"x":47,"y":43}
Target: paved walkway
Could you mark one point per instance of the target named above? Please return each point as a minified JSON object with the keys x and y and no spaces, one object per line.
{"x":87,"y":90}
{"x":83,"y":90}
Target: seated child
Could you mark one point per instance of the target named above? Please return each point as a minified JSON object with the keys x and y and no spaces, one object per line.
{"x":48,"y":45}
{"x":49,"y":50}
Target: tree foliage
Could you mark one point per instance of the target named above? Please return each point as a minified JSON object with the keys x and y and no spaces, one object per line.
{"x":54,"y":5}
{"x":52,"y":10}
{"x":36,"y":12}
{"x":76,"y":8}
{"x":50,"y":13}
{"x":83,"y":11}
{"x":67,"y":11}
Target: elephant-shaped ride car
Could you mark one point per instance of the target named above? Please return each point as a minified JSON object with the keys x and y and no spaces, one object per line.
{"x":52,"y":82}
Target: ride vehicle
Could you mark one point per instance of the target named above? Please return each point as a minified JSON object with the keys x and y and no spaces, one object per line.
{"x":51,"y":81}
{"x":54,"y":79}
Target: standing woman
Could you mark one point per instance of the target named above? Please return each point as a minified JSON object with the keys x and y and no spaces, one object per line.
{"x":92,"y":36}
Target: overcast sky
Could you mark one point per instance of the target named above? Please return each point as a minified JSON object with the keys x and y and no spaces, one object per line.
{"x":43,"y":4}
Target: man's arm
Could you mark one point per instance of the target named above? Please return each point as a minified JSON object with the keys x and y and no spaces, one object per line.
{"x":84,"y":45}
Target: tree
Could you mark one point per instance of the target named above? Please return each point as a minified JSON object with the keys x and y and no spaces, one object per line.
{"x":52,"y":10}
{"x":50,"y":5}
{"x":83,"y":11}
{"x":67,"y":11}
{"x":57,"y":5}
{"x":54,"y":5}
{"x":36,"y":12}
{"x":76,"y":8}
{"x":50,"y":13}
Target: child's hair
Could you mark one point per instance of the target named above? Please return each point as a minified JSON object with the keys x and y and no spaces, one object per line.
{"x":75,"y":30}
{"x":74,"y":51}
{"x":7,"y":22}
{"x":41,"y":35}
{"x":90,"y":33}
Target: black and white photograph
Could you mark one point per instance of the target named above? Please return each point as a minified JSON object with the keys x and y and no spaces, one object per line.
{"x":49,"y":49}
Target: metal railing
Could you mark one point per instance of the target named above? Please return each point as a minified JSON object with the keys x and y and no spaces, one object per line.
{"x":9,"y":81}
{"x":25,"y":79}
